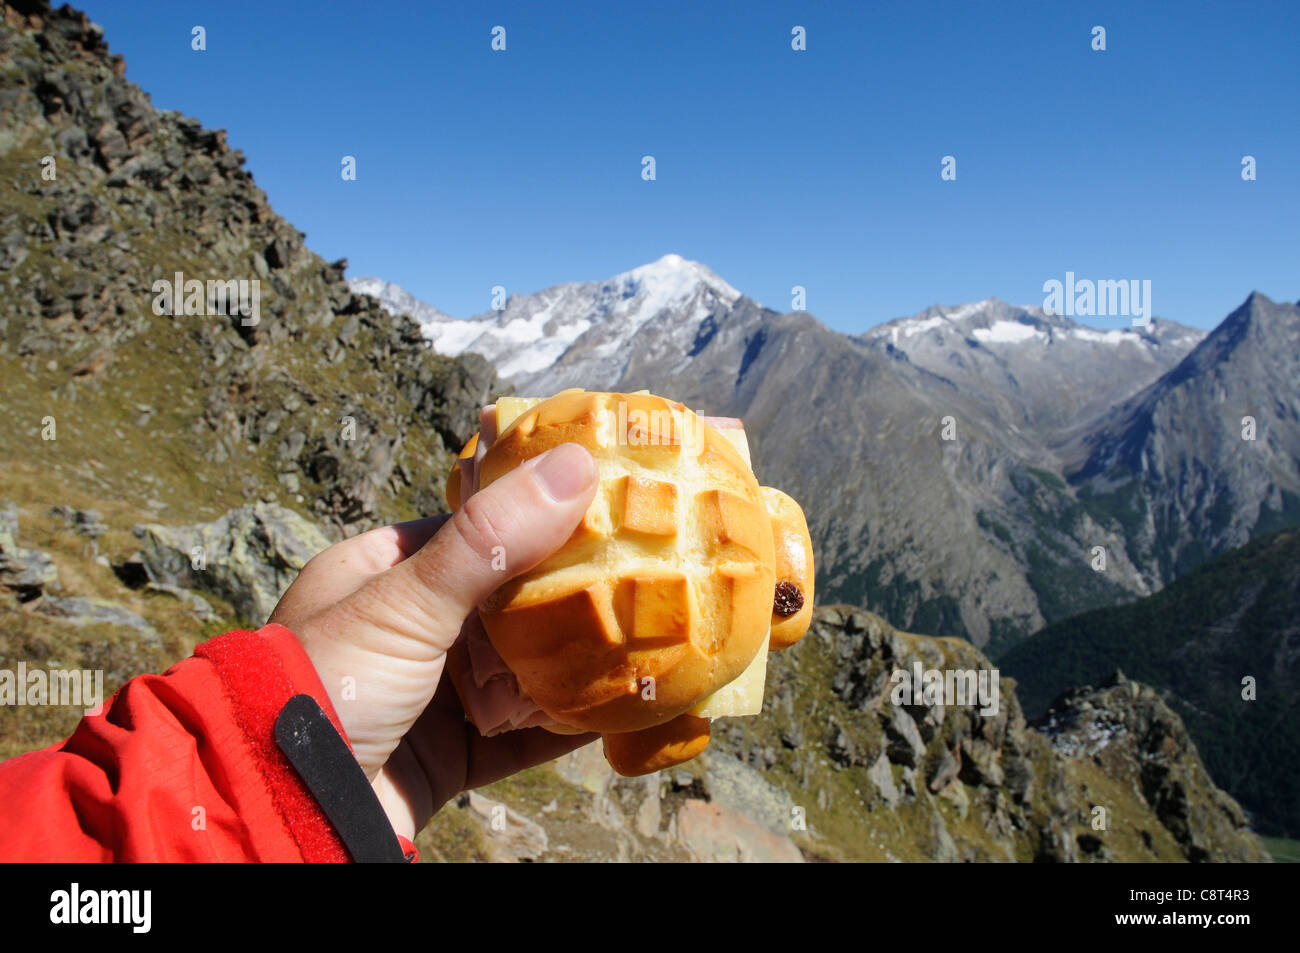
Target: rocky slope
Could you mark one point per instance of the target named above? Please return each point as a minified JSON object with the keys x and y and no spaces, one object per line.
{"x":1236,"y":618}
{"x":321,"y":401}
{"x":1138,"y":744}
{"x":1207,"y":457}
{"x":326,"y":408}
{"x":833,"y":770}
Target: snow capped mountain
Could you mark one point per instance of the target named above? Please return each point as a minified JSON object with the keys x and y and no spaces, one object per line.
{"x":397,"y":300}
{"x":994,"y":322}
{"x":1174,"y":457}
{"x":978,"y":536}
{"x":533,"y":331}
{"x":1037,"y":370}
{"x":575,"y":333}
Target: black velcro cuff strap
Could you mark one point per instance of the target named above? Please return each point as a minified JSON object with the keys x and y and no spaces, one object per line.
{"x":322,"y":759}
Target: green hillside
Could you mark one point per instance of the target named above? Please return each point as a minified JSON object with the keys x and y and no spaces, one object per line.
{"x":1235,"y":618}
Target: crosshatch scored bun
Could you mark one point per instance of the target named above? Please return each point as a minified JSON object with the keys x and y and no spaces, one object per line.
{"x":664,"y":592}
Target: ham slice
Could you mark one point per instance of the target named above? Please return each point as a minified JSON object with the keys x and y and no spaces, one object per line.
{"x":488,"y":691}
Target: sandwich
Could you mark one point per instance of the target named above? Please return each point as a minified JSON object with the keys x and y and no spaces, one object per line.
{"x":656,"y":615}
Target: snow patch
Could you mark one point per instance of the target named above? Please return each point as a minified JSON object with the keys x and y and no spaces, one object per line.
{"x":966,"y":310}
{"x":452,"y":337}
{"x":534,"y":359}
{"x":919,"y":327}
{"x":1007,"y":332}
{"x":1106,"y":337}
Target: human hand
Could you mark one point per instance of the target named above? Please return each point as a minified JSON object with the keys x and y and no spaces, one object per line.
{"x":384,"y":607}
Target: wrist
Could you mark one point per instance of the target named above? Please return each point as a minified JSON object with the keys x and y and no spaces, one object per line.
{"x":396,"y":804}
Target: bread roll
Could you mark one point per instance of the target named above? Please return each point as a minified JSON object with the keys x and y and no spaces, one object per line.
{"x":663,"y":594}
{"x":635,"y":753}
{"x":792,"y":604}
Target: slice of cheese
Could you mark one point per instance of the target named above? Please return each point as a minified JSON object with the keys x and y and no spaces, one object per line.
{"x":510,"y":409}
{"x":736,"y":437}
{"x":743,"y":696}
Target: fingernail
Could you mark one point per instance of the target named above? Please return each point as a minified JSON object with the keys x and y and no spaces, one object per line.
{"x":565,"y":471}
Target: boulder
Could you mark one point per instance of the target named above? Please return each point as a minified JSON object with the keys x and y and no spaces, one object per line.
{"x":511,"y":837}
{"x":26,"y":572}
{"x":201,"y":608}
{"x":882,"y":776}
{"x":83,"y":611}
{"x":905,"y":744}
{"x":713,"y":833}
{"x":247,"y":557}
{"x":980,"y":763}
{"x":85,"y":522}
{"x":742,"y":789}
{"x":9,"y":519}
{"x":945,"y":769}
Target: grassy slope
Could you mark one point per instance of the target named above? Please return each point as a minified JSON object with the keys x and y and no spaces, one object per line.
{"x":156,"y":471}
{"x":166,"y":366}
{"x":1282,"y":850}
{"x":1198,"y":638}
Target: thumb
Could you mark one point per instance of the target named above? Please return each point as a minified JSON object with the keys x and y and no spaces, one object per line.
{"x":500,"y":532}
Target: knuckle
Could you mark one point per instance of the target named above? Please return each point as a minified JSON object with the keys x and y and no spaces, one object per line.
{"x":483,"y":524}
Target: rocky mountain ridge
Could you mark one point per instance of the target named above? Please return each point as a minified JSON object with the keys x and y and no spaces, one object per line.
{"x":1036,"y":371}
{"x":939,"y":456}
{"x":319,"y":396}
{"x":1226,"y":423}
{"x":530,"y":334}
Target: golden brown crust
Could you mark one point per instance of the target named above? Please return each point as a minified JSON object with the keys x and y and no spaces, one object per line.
{"x":794,"y":566}
{"x":453,"y":478}
{"x":635,"y":753}
{"x":664,"y":592}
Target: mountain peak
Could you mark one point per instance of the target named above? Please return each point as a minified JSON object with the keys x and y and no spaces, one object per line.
{"x":966,"y":310}
{"x":1258,"y":311}
{"x":673,"y":277}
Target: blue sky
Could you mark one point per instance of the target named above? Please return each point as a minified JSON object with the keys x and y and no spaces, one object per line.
{"x":775,"y":168}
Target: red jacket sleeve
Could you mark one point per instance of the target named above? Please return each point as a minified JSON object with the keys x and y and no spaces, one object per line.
{"x":178,"y":767}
